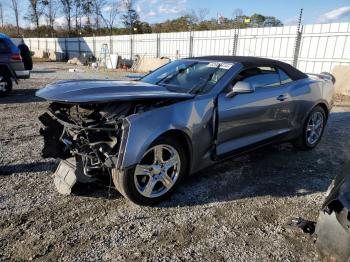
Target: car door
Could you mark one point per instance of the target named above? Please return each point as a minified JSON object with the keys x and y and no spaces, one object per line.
{"x":249,"y":118}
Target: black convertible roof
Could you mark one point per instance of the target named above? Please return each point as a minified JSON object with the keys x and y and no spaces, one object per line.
{"x":250,"y":61}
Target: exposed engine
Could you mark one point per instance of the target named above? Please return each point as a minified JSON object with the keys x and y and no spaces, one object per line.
{"x":91,"y":133}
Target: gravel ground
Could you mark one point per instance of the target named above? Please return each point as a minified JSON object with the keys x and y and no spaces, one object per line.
{"x":237,"y":210}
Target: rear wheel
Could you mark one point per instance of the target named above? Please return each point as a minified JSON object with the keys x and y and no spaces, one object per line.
{"x":156,"y":176}
{"x":5,"y":85}
{"x":312,"y":129}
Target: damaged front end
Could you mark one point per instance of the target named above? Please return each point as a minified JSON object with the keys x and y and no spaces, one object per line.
{"x":86,"y":137}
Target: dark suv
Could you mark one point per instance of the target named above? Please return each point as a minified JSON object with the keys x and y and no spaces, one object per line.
{"x":11,"y":65}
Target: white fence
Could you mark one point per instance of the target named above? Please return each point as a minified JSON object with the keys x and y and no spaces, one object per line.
{"x":316,"y":48}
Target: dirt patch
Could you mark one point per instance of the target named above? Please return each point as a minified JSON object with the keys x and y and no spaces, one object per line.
{"x":237,"y":210}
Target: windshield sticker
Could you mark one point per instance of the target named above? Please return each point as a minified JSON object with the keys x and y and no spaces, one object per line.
{"x":222,"y":65}
{"x":213,"y":64}
{"x":226,"y":66}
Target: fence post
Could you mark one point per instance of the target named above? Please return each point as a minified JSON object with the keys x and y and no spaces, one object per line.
{"x":235,"y":42}
{"x":79,"y":46}
{"x":65,"y":49}
{"x":298,"y":40}
{"x":30,"y":44}
{"x":297,"y":47}
{"x":131,"y":47}
{"x":191,"y":45}
{"x":110,"y":45}
{"x":94,"y":45}
{"x":46,"y":46}
{"x":158,"y":45}
{"x":38,"y":44}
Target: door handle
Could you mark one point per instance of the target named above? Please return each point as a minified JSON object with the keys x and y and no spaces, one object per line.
{"x":282,"y":97}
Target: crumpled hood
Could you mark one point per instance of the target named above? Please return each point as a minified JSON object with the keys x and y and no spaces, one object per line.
{"x":101,"y":91}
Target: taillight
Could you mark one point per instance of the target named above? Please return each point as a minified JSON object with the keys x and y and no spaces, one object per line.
{"x":16,"y":57}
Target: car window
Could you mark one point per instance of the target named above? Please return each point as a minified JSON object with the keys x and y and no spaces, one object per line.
{"x":284,"y":77}
{"x":259,"y":77}
{"x":4,"y":48}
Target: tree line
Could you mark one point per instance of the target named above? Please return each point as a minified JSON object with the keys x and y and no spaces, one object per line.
{"x":62,"y":18}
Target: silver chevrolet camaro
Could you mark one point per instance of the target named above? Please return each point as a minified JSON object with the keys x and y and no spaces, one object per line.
{"x":147,"y":135}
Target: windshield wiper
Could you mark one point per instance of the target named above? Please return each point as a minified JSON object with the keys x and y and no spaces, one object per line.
{"x":197,"y":88}
{"x":181,"y":70}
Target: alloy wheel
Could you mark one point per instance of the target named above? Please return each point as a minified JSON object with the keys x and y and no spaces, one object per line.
{"x":158,"y":171}
{"x":3,"y":84}
{"x":314,"y":127}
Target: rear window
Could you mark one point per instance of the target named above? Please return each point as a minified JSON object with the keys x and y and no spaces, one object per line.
{"x":4,"y":48}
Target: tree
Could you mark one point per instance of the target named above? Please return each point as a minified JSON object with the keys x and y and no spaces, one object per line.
{"x":50,"y":14}
{"x":258,"y":20}
{"x":130,"y":18}
{"x":97,"y":11}
{"x":14,"y":7}
{"x":272,"y":21}
{"x":67,"y":8}
{"x":77,"y":6}
{"x":87,"y":9}
{"x":111,"y":13}
{"x":35,"y":12}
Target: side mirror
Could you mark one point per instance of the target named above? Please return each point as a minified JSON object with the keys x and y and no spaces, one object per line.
{"x":241,"y":87}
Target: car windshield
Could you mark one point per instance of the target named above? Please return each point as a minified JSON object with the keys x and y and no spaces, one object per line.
{"x":188,"y":75}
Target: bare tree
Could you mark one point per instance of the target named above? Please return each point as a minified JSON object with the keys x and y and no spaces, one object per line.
{"x":35,"y":12}
{"x":67,"y":8}
{"x":97,"y":10}
{"x":202,"y":14}
{"x":14,"y":7}
{"x":237,"y":17}
{"x":50,"y":13}
{"x":110,"y":16}
{"x":78,"y":11}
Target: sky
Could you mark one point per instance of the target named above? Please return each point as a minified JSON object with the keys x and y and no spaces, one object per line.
{"x":315,"y":11}
{"x":152,"y":11}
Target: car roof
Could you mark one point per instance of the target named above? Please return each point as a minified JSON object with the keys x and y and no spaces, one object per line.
{"x":250,"y":61}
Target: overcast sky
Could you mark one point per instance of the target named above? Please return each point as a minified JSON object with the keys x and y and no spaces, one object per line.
{"x":315,"y":11}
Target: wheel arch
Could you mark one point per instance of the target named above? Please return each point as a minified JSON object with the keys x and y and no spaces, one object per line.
{"x":4,"y":68}
{"x":184,"y":139}
{"x":324,"y":106}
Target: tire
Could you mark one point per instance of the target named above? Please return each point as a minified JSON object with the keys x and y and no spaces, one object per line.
{"x":134,"y":187}
{"x":6,"y":85}
{"x":304,"y":142}
{"x":26,"y":56}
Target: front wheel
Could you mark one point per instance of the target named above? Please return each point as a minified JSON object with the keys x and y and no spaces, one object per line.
{"x":312,"y":129}
{"x":156,"y":176}
{"x":5,"y":85}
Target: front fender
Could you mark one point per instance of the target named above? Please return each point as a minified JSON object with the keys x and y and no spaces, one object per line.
{"x":190,"y":117}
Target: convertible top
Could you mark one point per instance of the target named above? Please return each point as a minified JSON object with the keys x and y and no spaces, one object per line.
{"x":250,"y":61}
